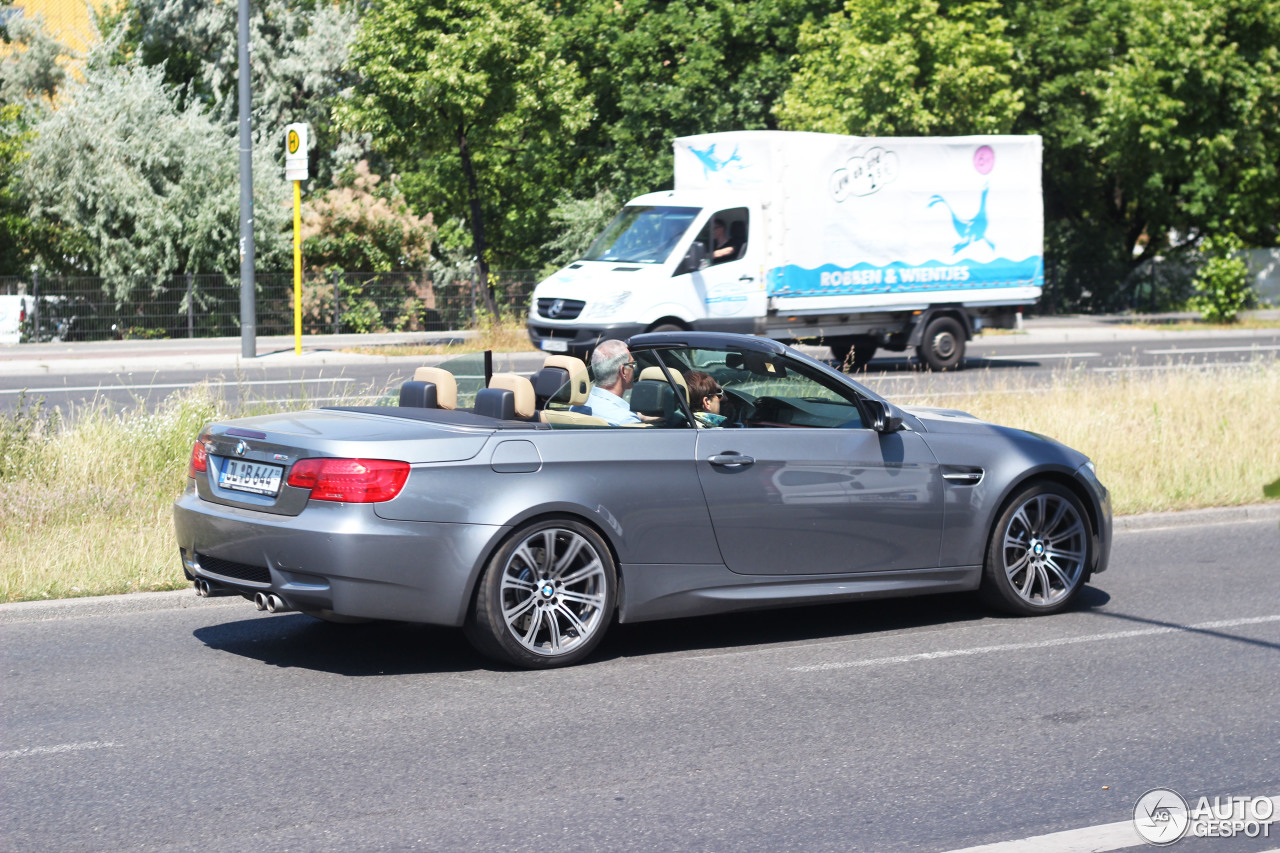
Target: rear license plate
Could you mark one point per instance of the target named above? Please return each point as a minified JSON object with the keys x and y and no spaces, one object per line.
{"x":552,"y":345}
{"x":256,"y":477}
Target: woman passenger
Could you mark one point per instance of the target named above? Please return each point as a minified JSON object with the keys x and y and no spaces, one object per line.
{"x":705,"y":398}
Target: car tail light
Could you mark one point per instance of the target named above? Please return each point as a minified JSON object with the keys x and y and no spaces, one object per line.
{"x":360,"y":481}
{"x":199,"y":460}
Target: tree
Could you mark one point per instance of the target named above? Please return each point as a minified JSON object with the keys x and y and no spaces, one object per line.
{"x":1161,"y":123}
{"x":29,"y":66}
{"x":904,"y":67}
{"x":476,"y":89}
{"x":299,"y":61}
{"x":659,"y":69}
{"x":364,"y":224}
{"x":153,"y":187}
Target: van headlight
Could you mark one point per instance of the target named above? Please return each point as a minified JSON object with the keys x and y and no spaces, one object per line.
{"x":605,"y":307}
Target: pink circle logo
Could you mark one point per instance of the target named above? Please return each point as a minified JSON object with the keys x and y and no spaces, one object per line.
{"x":984,"y":160}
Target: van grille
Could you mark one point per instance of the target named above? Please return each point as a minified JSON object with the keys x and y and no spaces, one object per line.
{"x":567,"y":309}
{"x":239,"y":571}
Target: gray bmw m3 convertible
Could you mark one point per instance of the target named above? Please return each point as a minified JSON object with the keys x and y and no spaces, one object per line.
{"x":499,"y":504}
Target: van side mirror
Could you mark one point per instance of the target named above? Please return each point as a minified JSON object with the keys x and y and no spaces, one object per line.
{"x":885,"y":417}
{"x":694,"y":259}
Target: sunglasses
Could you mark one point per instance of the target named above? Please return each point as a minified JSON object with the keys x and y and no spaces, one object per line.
{"x":719,"y":392}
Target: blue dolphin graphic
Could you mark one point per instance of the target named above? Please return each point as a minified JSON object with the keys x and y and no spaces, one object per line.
{"x":708,"y":159}
{"x":969,"y":230}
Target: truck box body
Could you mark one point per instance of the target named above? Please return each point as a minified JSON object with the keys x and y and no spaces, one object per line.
{"x":839,"y":236}
{"x":854,"y":217}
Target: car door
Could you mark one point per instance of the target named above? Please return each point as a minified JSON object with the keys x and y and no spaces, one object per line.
{"x":803,"y":490}
{"x":732,"y":287}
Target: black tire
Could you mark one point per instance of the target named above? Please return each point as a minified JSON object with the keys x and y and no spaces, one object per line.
{"x":1039,"y":553}
{"x":852,"y":354}
{"x":667,"y":327}
{"x":942,"y":347}
{"x":546,"y":597}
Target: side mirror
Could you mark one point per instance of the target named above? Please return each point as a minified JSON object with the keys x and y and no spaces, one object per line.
{"x":694,"y":259}
{"x":885,"y":417}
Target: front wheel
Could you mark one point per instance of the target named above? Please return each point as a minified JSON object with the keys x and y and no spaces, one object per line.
{"x":943,"y":345}
{"x":546,"y":596}
{"x":1039,"y":552}
{"x":853,"y":354}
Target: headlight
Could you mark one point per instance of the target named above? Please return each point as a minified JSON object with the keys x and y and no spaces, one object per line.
{"x":606,"y":307}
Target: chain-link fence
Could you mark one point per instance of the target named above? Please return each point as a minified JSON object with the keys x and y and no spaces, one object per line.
{"x":200,"y":306}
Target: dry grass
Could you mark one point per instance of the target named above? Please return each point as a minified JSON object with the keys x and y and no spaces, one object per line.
{"x":87,"y":503}
{"x":1162,"y":439}
{"x":502,"y":336}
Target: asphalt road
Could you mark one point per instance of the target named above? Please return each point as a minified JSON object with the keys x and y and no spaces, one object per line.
{"x":924,"y":724}
{"x":328,"y":377}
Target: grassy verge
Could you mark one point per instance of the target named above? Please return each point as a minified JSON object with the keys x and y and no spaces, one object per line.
{"x":501,"y":336}
{"x":1162,"y":440}
{"x":87,"y":503}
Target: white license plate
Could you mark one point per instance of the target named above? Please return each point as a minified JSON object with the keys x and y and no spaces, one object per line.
{"x":256,"y":477}
{"x":552,"y":345}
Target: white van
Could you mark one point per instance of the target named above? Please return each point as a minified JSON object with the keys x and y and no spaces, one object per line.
{"x":859,"y":243}
{"x":13,"y":313}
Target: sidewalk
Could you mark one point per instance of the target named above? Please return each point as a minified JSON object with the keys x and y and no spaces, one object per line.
{"x":225,"y":353}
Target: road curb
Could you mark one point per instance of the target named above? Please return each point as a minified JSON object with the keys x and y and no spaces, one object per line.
{"x":186,"y":599}
{"x":1186,"y":517}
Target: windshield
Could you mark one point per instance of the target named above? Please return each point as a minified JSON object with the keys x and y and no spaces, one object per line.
{"x":642,"y":235}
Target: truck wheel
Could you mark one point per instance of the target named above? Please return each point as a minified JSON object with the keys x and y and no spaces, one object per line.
{"x":852,"y":354}
{"x":667,"y":327}
{"x":943,"y":345}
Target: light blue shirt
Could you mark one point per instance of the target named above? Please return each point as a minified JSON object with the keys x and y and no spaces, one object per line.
{"x":611,"y":407}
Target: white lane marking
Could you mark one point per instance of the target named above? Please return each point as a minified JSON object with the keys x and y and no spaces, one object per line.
{"x":156,"y":385}
{"x":1087,"y":839}
{"x":1040,"y":355}
{"x":54,"y":750}
{"x":1036,"y":644}
{"x":1204,"y":350}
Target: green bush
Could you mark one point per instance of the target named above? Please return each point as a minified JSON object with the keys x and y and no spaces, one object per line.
{"x":1222,"y":284}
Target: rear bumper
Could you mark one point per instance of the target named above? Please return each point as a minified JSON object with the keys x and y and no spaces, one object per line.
{"x":339,"y":557}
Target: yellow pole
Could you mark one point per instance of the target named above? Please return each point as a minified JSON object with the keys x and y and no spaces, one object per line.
{"x":297,"y":267}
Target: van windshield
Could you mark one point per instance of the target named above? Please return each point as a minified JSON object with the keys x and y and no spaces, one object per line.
{"x":642,"y":235}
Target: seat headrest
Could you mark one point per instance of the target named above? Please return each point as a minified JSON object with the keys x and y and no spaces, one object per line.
{"x":521,"y":389}
{"x":496,"y":403}
{"x":418,"y":395}
{"x":653,"y":398}
{"x":656,"y":373}
{"x":446,"y":385}
{"x":579,"y":377}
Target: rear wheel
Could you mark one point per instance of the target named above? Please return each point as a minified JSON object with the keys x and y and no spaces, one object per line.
{"x":943,"y":345}
{"x":1039,"y":552}
{"x":546,"y":596}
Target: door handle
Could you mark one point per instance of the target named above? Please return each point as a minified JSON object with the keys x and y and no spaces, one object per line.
{"x":730,"y":460}
{"x":746,"y":278}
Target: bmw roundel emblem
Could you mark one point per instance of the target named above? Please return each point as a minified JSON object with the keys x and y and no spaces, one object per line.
{"x":241,"y":448}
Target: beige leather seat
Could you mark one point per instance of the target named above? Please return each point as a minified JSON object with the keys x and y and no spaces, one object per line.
{"x":446,"y":385}
{"x":579,"y":388}
{"x":656,"y":373}
{"x":522,"y":397}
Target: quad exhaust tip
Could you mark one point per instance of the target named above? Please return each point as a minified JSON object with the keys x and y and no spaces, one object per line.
{"x":270,"y":603}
